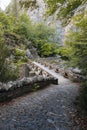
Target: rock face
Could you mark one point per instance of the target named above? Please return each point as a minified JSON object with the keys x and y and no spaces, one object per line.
{"x":28,"y":53}
{"x":31,"y":51}
{"x":14,"y":42}
{"x":37,"y":15}
{"x":81,"y":9}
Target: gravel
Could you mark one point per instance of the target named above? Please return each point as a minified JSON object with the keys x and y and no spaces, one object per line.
{"x":46,"y":109}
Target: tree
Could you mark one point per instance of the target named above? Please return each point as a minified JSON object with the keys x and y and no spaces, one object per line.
{"x":6,"y":72}
{"x":7,"y":21}
{"x":43,"y":40}
{"x":13,"y":8}
{"x":24,"y":27}
{"x":77,"y":40}
{"x":3,"y":55}
{"x":27,"y":4}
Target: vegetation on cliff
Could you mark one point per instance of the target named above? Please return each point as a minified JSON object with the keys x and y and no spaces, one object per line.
{"x":19,"y":34}
{"x":19,"y":28}
{"x":75,"y":49}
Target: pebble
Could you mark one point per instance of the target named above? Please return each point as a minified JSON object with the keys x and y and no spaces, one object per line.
{"x":46,"y":109}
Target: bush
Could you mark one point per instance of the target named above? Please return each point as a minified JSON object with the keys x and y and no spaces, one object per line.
{"x":24,"y":27}
{"x":3,"y":53}
{"x":25,"y":59}
{"x":7,"y":21}
{"x":9,"y":74}
{"x":15,"y":33}
{"x":77,"y":41}
{"x":65,"y":53}
{"x":19,"y":52}
{"x":84,"y":95}
{"x":47,"y":49}
{"x":6,"y":73}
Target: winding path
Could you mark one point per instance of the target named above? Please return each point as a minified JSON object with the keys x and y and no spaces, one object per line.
{"x":46,"y":109}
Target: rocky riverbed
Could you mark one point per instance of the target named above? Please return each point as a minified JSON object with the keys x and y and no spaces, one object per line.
{"x":47,"y":109}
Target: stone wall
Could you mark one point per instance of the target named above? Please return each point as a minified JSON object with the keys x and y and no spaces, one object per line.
{"x":17,"y":88}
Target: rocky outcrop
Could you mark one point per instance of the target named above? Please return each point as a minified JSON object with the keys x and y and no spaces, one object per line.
{"x":37,"y":14}
{"x":15,"y":41}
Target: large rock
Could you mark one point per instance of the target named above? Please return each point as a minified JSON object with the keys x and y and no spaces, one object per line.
{"x":25,"y":70}
{"x":28,"y":53}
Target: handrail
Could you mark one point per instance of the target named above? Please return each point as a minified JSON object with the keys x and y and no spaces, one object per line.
{"x":46,"y":69}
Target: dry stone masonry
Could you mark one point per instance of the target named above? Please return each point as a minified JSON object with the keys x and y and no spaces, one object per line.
{"x":17,"y":88}
{"x":32,"y":78}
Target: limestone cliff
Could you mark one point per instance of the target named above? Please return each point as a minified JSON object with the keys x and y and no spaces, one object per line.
{"x":38,"y":15}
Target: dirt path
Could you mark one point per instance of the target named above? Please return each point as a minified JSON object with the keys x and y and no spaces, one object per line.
{"x":47,"y":109}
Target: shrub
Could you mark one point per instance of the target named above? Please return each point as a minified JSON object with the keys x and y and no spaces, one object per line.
{"x":77,"y":40}
{"x":19,"y":52}
{"x":47,"y":49}
{"x":84,"y":95}
{"x":6,"y":73}
{"x":65,"y":53}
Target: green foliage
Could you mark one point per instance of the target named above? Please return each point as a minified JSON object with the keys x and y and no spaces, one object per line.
{"x":39,"y":34}
{"x":20,"y":56}
{"x":53,"y":5}
{"x":47,"y":49}
{"x":65,"y":52}
{"x":67,"y":12}
{"x":42,"y":31}
{"x":76,"y":43}
{"x":3,"y":51}
{"x":24,"y":27}
{"x":42,"y":40}
{"x":6,"y":21}
{"x":66,"y":8}
{"x":36,"y":87}
{"x":15,"y":33}
{"x":83,"y":96}
{"x":9,"y":73}
{"x":77,"y":40}
{"x":6,"y":73}
{"x":27,"y":4}
{"x":19,"y":52}
{"x":13,"y":8}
